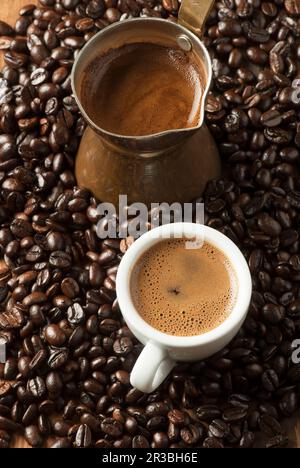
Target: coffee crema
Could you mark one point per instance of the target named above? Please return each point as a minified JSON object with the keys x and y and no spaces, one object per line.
{"x":141,"y":89}
{"x":183,"y":292}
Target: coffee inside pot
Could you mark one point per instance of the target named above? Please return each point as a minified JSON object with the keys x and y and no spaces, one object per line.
{"x":142,"y":89}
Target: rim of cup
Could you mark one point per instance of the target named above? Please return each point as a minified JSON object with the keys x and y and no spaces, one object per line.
{"x":182,"y":230}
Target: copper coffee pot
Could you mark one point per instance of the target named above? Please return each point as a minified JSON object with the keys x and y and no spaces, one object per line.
{"x":171,"y":166}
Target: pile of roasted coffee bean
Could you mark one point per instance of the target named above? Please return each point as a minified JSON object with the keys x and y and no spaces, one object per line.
{"x":65,"y":382}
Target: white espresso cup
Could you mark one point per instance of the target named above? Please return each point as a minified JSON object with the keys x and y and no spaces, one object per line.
{"x":162,"y":351}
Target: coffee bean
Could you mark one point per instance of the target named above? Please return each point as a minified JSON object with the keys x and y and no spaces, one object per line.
{"x":38,"y":359}
{"x":74,"y":42}
{"x":176,"y":417}
{"x":54,"y":335}
{"x":70,"y":287}
{"x":33,"y":436}
{"x":21,"y":228}
{"x":11,"y":319}
{"x":29,"y":416}
{"x":271,"y":118}
{"x":60,"y":259}
{"x":272,"y":313}
{"x":47,"y":91}
{"x":85,"y":24}
{"x":59,"y":75}
{"x":4,"y":439}
{"x":36,"y":386}
{"x":292,"y":7}
{"x":234,"y":414}
{"x":212,"y":442}
{"x":5,"y":388}
{"x":34,"y":298}
{"x":122,"y":346}
{"x":219,"y":429}
{"x":111,"y":427}
{"x":6,"y":29}
{"x":229,"y":27}
{"x":58,"y":358}
{"x":15,"y":60}
{"x":140,"y":441}
{"x":190,"y":435}
{"x":75,"y":314}
{"x":38,"y":53}
{"x":5,"y":43}
{"x":126,"y":243}
{"x":7,"y":424}
{"x":270,"y":425}
{"x":270,"y":380}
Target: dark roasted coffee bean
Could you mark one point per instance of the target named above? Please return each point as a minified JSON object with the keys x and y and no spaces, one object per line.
{"x":208,"y":412}
{"x":11,"y":319}
{"x":271,"y":118}
{"x":61,"y":428}
{"x":123,"y":346}
{"x":270,"y":380}
{"x":85,"y":24}
{"x":38,"y":360}
{"x":75,"y":314}
{"x":270,"y":425}
{"x":58,"y":358}
{"x":59,"y":75}
{"x":5,"y":388}
{"x":54,"y":335}
{"x":54,"y":383}
{"x":6,"y":29}
{"x":177,"y":417}
{"x":212,"y":442}
{"x":218,"y":429}
{"x":74,"y":42}
{"x":36,"y":386}
{"x":70,"y":287}
{"x":33,"y":436}
{"x":44,"y":425}
{"x":292,"y":7}
{"x":55,"y":241}
{"x":15,"y":60}
{"x":234,"y":414}
{"x":83,"y":437}
{"x":247,"y":440}
{"x":140,"y":441}
{"x":5,"y":439}
{"x":157,"y":409}
{"x":5,"y":43}
{"x":111,"y":427}
{"x":229,"y":28}
{"x":60,"y":259}
{"x":38,"y":53}
{"x":61,"y":443}
{"x":9,"y":425}
{"x":190,"y":435}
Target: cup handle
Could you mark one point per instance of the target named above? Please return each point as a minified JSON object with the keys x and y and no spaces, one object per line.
{"x":193,"y":14}
{"x":151,"y":368}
